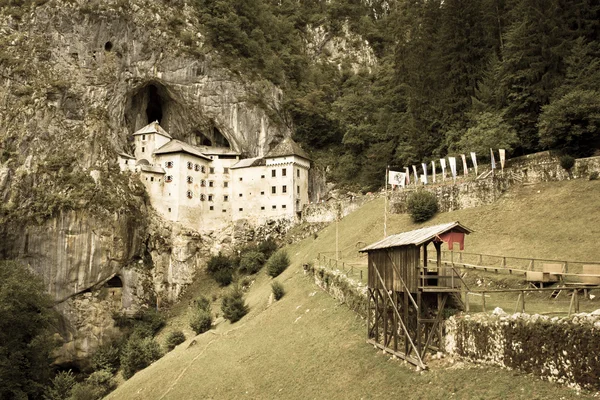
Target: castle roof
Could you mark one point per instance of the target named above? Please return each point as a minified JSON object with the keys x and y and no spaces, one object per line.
{"x":177,"y":146}
{"x":152,"y":127}
{"x":287,"y":147}
{"x":210,"y":150}
{"x":249,"y":162}
{"x":125,"y":155}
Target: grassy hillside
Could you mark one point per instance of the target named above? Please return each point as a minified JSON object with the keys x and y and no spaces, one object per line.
{"x":309,"y":346}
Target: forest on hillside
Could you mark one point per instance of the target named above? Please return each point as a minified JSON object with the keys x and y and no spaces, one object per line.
{"x":450,"y":76}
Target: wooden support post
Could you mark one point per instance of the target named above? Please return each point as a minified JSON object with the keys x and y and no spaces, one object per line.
{"x":361,"y":275}
{"x":385,"y":322}
{"x":571,"y":303}
{"x":503,"y":262}
{"x":395,"y":327}
{"x":418,"y":336}
{"x":369,"y":295}
{"x":405,"y":306}
{"x":576,"y":294}
{"x":480,"y":259}
{"x":518,"y":301}
{"x":440,"y":304}
{"x":377,"y":314}
{"x":483,"y":300}
{"x":523,"y":302}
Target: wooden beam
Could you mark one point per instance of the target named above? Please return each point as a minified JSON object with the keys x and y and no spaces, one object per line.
{"x":414,"y":361}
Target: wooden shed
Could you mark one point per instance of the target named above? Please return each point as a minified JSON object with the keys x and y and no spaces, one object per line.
{"x":408,"y":289}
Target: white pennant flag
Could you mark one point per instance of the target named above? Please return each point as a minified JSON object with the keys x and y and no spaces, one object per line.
{"x":416,"y":175}
{"x":433,"y":170}
{"x":397,"y":178}
{"x":502,"y":157}
{"x":474,"y":159}
{"x":493,"y":160}
{"x":464,"y":160}
{"x":452,"y":162}
{"x":407,"y":175}
{"x":443,"y":164}
{"x":424,"y":173}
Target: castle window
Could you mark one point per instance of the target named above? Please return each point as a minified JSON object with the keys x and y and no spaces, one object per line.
{"x":169,"y":178}
{"x":224,"y":210}
{"x":273,"y":189}
{"x":274,"y":207}
{"x":211,"y":208}
{"x":284,"y":172}
{"x":273,"y":173}
{"x":151,"y":179}
{"x":240,"y":195}
{"x":298,"y":173}
{"x":226,"y":170}
{"x":169,"y":164}
{"x":203,"y":183}
{"x":262,"y":193}
{"x":284,"y":206}
{"x":196,"y":167}
{"x":210,"y":197}
{"x":190,"y":165}
{"x":143,"y":149}
{"x":241,"y":209}
{"x":143,"y":137}
{"x":262,"y":208}
{"x":225,"y":184}
{"x":262,"y":177}
{"x":212,"y":170}
{"x":211,"y":184}
{"x":201,"y":197}
{"x":189,"y":179}
{"x":189,"y":194}
{"x":298,"y":189}
{"x":241,"y":179}
{"x":126,"y":162}
{"x":203,"y":169}
{"x":284,"y":189}
{"x":169,"y":209}
{"x":225,"y":198}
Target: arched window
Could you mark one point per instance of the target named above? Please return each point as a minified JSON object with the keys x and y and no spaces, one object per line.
{"x":169,"y":178}
{"x":169,"y":164}
{"x":190,"y":194}
{"x":190,"y":165}
{"x":189,"y":179}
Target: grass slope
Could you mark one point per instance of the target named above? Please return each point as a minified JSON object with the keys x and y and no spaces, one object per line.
{"x":309,"y":346}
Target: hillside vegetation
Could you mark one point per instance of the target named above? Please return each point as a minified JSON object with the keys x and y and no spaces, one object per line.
{"x":308,"y":346}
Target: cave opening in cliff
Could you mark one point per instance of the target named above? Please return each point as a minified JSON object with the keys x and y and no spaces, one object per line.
{"x":108,"y":46}
{"x":114,"y":282}
{"x":154,"y":110}
{"x":211,"y":136}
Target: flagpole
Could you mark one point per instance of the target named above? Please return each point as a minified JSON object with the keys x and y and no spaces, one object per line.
{"x":387,"y":172}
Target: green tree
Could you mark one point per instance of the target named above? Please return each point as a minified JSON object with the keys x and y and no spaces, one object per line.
{"x":489,"y":130}
{"x":26,"y":327}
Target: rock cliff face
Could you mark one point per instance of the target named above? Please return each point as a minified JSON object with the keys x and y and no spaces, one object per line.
{"x":78,"y":77}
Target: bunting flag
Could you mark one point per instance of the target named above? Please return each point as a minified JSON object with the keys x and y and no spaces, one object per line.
{"x":396,"y":178}
{"x":474,"y":159}
{"x":406,"y":171}
{"x":464,"y":160}
{"x":493,"y":160}
{"x":433,"y":170}
{"x":424,"y":173}
{"x":502,"y":157}
{"x":452,"y":162}
{"x":416,"y":176}
{"x":443,"y":164}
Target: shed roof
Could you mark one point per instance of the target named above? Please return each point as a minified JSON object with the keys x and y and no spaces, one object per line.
{"x":416,"y":237}
{"x":287,"y":147}
{"x":155,"y":169}
{"x":249,"y":162}
{"x":152,"y":127}
{"x":177,"y":146}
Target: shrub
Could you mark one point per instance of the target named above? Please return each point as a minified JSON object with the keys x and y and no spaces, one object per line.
{"x":106,"y":357}
{"x":594,"y":176}
{"x":233,"y":305}
{"x":175,"y":338}
{"x":202,"y":303}
{"x":567,"y":162}
{"x":221,"y":268}
{"x":201,"y":321}
{"x":61,"y":386}
{"x":278,"y":290}
{"x":278,"y":263}
{"x":421,"y":205}
{"x":267,"y":247}
{"x":138,"y":354}
{"x":251,"y":262}
{"x":95,"y":387}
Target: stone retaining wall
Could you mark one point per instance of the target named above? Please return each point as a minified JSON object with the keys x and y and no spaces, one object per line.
{"x":340,"y":287}
{"x":563,"y":350}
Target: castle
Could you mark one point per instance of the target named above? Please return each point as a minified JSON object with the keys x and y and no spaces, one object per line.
{"x":208,"y":187}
